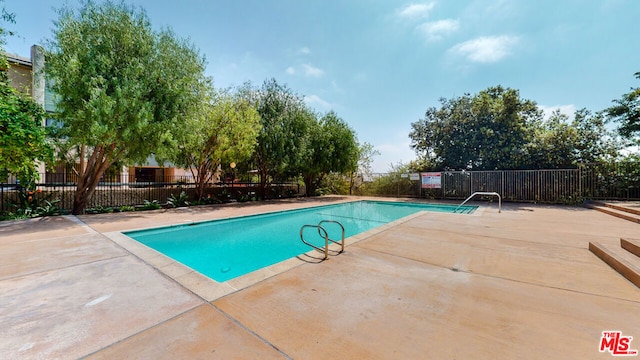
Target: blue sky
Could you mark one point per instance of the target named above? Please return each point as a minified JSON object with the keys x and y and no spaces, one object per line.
{"x":381,"y":63}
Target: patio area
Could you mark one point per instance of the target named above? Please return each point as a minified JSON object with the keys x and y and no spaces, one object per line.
{"x":516,"y":284}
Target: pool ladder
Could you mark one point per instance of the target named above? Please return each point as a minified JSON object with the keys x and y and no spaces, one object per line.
{"x":483,"y":193}
{"x":323,"y":233}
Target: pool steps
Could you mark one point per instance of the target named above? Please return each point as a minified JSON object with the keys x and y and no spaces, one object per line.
{"x":624,"y":258}
{"x":618,"y":211}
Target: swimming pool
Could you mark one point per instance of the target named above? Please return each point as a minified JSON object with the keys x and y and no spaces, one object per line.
{"x":228,"y":248}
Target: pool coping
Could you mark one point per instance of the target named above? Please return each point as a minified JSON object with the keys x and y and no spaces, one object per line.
{"x":210,"y":289}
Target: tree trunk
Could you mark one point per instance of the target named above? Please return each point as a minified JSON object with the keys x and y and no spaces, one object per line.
{"x":201,"y":180}
{"x":310,"y":185}
{"x":84,"y":191}
{"x":351,"y":180}
{"x":263,"y":185}
{"x":89,"y":176}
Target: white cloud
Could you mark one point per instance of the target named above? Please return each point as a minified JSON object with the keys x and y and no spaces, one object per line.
{"x":312,"y":71}
{"x":437,"y":30}
{"x":486,"y":49}
{"x":569,"y":110}
{"x":336,"y":87}
{"x":306,"y":70}
{"x":304,"y":51}
{"x":416,"y":11}
{"x":317,"y":100}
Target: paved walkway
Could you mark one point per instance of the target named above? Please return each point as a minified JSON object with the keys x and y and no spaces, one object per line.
{"x":519,"y":284}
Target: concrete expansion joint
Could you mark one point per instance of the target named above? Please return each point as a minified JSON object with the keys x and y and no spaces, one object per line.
{"x":265,"y":341}
{"x":471,"y":272}
{"x":22,"y":276}
{"x":141,"y":331}
{"x":80,"y":223}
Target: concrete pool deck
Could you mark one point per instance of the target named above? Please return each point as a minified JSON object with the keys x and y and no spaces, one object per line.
{"x":519,"y":284}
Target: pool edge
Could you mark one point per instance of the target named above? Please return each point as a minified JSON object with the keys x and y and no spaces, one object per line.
{"x":210,"y":289}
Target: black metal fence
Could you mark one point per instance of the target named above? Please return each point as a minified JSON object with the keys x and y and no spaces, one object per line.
{"x":613,"y":182}
{"x":114,"y":194}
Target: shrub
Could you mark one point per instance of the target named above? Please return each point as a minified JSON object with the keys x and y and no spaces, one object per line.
{"x":150,"y":205}
{"x":179,"y":201}
{"x":99,"y":210}
{"x":50,"y":208}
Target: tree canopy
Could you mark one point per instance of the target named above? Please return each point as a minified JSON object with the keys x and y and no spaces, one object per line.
{"x":223,"y":131}
{"x":23,"y":140}
{"x":284,"y":135}
{"x":496,"y":129}
{"x":294,"y":141}
{"x":627,"y":112}
{"x":333,"y":147}
{"x":122,"y":87}
{"x":485,"y":131}
{"x":563,"y":143}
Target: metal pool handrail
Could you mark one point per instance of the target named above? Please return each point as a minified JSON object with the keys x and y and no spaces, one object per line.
{"x":484,"y":193}
{"x":341,"y":243}
{"x":323,"y":233}
{"x":326,"y":239}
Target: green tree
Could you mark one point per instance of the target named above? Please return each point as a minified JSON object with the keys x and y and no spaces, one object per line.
{"x":283,"y":141}
{"x":594,"y":142}
{"x":554,"y":143}
{"x":23,"y":140}
{"x":486,"y":131}
{"x":627,"y":112}
{"x":332,"y":148}
{"x":560,"y":143}
{"x":223,"y":131}
{"x":122,"y":87}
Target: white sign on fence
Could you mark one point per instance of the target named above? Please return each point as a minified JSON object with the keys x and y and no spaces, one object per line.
{"x":431,"y":180}
{"x":414,"y":176}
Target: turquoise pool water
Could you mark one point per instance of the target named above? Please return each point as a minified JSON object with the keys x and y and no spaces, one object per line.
{"x":228,"y":248}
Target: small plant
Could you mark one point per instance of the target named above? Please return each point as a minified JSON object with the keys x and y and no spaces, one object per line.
{"x":99,"y":210}
{"x":32,"y":203}
{"x":179,"y":201}
{"x":322,"y":191}
{"x":50,"y":208}
{"x":225,"y":196}
{"x":28,"y":202}
{"x":211,"y":200}
{"x":126,"y":208}
{"x":150,"y":205}
{"x":12,"y":216}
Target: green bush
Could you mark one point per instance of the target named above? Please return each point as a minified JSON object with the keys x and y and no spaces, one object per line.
{"x":179,"y":201}
{"x":99,"y":210}
{"x":150,"y":205}
{"x":50,"y":208}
